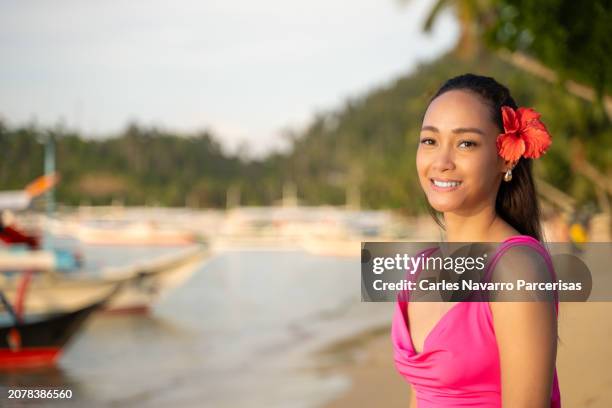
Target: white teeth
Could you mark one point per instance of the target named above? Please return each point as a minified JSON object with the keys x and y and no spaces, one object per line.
{"x":446,"y":184}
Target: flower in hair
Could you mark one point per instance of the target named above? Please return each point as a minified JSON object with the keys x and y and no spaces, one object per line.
{"x":524,"y":135}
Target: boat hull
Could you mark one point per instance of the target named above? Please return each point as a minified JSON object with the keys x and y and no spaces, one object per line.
{"x":38,"y":341}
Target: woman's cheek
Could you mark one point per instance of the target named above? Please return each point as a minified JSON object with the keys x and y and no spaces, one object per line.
{"x":421,"y":167}
{"x":482,"y":175}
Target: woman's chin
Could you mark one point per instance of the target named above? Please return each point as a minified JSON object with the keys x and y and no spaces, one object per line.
{"x":444,"y":206}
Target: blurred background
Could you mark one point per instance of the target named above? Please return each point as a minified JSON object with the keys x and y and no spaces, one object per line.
{"x":184,"y":187}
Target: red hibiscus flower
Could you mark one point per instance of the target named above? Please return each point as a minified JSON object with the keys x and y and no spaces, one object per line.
{"x":525,"y":135}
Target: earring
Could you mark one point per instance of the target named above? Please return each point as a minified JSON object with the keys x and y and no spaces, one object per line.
{"x":508,"y":175}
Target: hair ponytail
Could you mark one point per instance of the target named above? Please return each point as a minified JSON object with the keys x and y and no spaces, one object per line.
{"x":517,"y":203}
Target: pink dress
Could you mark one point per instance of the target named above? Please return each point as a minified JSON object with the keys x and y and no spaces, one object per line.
{"x":459,"y":365}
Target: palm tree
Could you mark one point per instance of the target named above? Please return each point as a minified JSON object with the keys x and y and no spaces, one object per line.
{"x":473,"y":16}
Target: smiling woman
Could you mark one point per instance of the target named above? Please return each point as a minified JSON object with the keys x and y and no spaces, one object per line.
{"x":454,"y":157}
{"x":459,"y":138}
{"x":474,"y":165}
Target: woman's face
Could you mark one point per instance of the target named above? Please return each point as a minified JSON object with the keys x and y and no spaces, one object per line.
{"x":457,"y":161}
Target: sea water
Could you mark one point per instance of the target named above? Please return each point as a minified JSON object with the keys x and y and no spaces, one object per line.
{"x":243,"y":331}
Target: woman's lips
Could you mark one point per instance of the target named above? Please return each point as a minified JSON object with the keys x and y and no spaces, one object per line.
{"x":444,"y":185}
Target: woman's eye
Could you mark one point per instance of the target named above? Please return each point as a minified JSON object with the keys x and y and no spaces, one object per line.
{"x":467,"y":144}
{"x":427,"y":141}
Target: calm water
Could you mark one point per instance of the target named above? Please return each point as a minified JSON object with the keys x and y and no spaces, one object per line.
{"x":242,"y":332}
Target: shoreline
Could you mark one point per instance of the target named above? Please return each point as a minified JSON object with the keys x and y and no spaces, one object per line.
{"x":366,"y":360}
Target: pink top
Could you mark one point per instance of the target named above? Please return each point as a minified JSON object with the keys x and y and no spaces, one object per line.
{"x":459,"y":365}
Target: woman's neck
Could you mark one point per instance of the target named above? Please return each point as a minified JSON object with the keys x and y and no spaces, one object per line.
{"x":483,"y":225}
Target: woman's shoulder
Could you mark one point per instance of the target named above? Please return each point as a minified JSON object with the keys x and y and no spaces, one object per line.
{"x":501,"y":231}
{"x":522,"y":255}
{"x":522,"y":259}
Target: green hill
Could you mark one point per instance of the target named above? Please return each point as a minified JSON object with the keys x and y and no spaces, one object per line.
{"x":369,"y":144}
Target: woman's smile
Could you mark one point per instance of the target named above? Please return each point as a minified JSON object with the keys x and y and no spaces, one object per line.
{"x":444,"y":185}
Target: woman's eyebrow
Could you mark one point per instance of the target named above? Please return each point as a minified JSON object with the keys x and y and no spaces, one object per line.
{"x":456,"y":130}
{"x":468,"y":130}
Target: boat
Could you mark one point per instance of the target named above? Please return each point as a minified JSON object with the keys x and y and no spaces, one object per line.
{"x":34,"y":340}
{"x":58,"y":260}
{"x":122,"y":232}
{"x":22,"y":199}
{"x":21,"y":249}
{"x":141,"y":284}
{"x":148,"y":282}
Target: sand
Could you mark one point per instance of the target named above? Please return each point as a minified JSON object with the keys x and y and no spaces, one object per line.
{"x":584,"y":362}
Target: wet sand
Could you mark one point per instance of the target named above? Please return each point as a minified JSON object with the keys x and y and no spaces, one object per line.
{"x":367,"y":360}
{"x":584,"y":362}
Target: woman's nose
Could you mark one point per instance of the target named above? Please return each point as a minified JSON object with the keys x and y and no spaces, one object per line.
{"x":443,"y":159}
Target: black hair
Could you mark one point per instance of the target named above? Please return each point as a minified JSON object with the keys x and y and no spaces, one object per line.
{"x":516,"y":201}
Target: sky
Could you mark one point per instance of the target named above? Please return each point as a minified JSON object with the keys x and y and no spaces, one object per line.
{"x":246,"y":70}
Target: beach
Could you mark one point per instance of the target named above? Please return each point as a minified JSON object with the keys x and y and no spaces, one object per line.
{"x":374,"y":380}
{"x":583,"y":359}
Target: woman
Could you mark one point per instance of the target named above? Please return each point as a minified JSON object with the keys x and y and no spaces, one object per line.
{"x":474,"y":164}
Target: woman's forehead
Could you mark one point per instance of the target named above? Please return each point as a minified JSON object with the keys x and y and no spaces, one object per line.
{"x":458,"y":108}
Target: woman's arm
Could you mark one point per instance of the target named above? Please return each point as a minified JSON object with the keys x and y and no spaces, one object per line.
{"x":413,"y":403}
{"x":526,"y":335}
{"x":527,"y":339}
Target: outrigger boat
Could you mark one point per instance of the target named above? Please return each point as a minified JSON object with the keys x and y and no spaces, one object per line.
{"x":33,"y":340}
{"x":53,"y":292}
{"x":22,"y":250}
{"x":18,"y":258}
{"x":142,"y":284}
{"x":21,"y":199}
{"x":149,"y":282}
{"x":118,"y":232}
